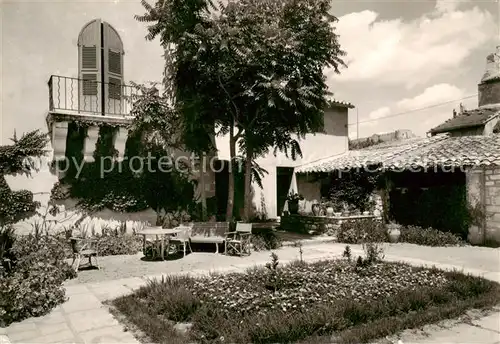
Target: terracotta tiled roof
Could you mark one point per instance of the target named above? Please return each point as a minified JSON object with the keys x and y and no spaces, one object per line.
{"x":470,"y":118}
{"x":341,"y":103}
{"x":416,"y":153}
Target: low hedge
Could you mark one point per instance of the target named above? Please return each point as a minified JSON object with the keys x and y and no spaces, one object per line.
{"x":361,"y":231}
{"x":429,"y":237}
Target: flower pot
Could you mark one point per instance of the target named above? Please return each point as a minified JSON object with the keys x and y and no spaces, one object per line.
{"x":315,"y":209}
{"x":293,"y":207}
{"x":366,"y":213}
{"x":329,"y":211}
{"x":394,"y":233}
{"x":337,"y":214}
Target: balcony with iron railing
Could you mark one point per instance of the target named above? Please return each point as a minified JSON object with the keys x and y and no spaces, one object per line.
{"x":73,"y":96}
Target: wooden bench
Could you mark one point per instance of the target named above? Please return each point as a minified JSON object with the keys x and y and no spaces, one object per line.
{"x":209,"y":233}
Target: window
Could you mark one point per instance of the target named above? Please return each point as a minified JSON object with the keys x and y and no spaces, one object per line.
{"x":114,"y":88}
{"x":89,"y":57}
{"x":89,"y":84}
{"x":114,"y":62}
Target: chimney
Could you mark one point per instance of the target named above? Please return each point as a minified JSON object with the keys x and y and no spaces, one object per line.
{"x":454,"y":113}
{"x":489,"y":88}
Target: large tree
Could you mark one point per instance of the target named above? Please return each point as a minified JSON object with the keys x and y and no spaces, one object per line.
{"x":255,"y":68}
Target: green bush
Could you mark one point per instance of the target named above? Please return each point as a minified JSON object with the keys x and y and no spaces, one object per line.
{"x":265,"y":239}
{"x":361,"y":231}
{"x":113,"y":243}
{"x":429,"y":237}
{"x":32,"y":285}
{"x":30,"y":291}
{"x":30,"y":249}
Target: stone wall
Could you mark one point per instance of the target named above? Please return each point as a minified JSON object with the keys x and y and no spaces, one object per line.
{"x":492,"y":204}
{"x":318,"y":224}
{"x":483,"y":190}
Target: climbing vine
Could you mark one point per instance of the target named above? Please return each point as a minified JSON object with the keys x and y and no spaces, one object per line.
{"x":353,"y":188}
{"x":141,"y":181}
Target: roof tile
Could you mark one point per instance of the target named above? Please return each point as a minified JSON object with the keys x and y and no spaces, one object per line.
{"x":421,"y":152}
{"x":470,"y":118}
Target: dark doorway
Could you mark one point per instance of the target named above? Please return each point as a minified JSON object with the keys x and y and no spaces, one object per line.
{"x":283,"y":180}
{"x":222,"y":188}
{"x":434,"y":199}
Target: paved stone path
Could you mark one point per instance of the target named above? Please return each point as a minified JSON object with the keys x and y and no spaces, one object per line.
{"x":84,"y":319}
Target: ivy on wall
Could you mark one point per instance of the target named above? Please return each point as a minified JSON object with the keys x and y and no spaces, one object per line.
{"x":121,"y":186}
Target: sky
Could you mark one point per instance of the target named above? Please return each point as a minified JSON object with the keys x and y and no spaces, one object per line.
{"x":402,"y":56}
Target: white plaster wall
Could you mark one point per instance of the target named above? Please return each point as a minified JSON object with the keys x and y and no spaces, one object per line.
{"x":310,"y":189}
{"x":314,"y":147}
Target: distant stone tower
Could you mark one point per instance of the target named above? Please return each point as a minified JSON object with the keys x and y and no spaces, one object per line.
{"x":489,"y":88}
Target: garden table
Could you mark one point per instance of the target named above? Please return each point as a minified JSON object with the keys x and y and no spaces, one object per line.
{"x":160,"y":234}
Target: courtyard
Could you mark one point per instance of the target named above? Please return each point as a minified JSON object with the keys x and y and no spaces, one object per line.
{"x":86,"y":317}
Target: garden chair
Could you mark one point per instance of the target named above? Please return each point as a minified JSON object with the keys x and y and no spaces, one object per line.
{"x":239,"y":240}
{"x":84,"y":248}
{"x":182,"y":238}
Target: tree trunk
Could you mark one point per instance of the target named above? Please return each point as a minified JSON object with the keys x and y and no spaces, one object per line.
{"x":203,"y":192}
{"x":230,"y":185}
{"x":248,"y":184}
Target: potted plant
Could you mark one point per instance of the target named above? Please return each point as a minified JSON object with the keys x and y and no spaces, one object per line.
{"x":337,"y":210}
{"x":345,"y":210}
{"x":316,"y":209}
{"x":293,"y":202}
{"x":329,"y":209}
{"x":393,"y":231}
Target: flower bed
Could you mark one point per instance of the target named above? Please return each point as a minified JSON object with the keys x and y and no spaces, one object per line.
{"x":299,"y":300}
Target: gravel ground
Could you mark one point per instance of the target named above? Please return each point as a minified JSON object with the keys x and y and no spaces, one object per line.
{"x":125,"y":266}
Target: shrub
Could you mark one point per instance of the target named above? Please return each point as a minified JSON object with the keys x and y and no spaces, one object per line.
{"x":33,"y":285}
{"x":361,"y":231}
{"x":29,"y":250}
{"x":6,"y":241}
{"x":265,"y":240}
{"x":429,"y":237}
{"x":113,"y":245}
{"x":30,"y":291}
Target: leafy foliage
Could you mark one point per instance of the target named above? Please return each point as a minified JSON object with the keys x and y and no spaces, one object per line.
{"x":354,"y":188}
{"x":256,"y":65}
{"x":147,"y":177}
{"x":40,"y":286}
{"x":113,"y":242}
{"x":429,"y":237}
{"x":32,"y":267}
{"x":361,"y":231}
{"x":20,"y":158}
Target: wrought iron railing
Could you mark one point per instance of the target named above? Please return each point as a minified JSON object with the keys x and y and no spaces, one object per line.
{"x":87,"y":96}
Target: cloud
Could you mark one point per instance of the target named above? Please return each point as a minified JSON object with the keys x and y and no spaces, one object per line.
{"x":379,"y":113}
{"x":443,"y":6}
{"x":427,"y":109}
{"x":411,"y":53}
{"x":432,"y":95}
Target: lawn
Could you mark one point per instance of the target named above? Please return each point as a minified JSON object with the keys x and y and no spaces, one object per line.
{"x":342,"y":300}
